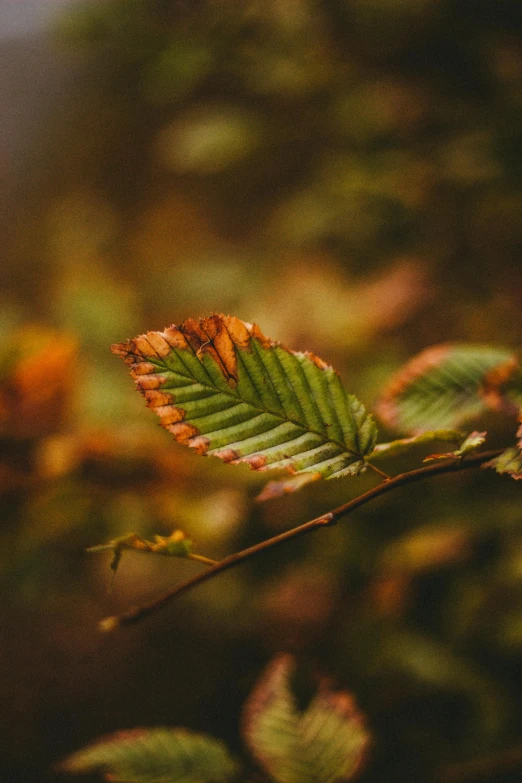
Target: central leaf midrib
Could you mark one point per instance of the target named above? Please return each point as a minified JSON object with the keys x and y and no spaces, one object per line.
{"x":212,"y":386}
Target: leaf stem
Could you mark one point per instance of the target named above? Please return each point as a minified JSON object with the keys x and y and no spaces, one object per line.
{"x":201,"y":559}
{"x":379,"y":472}
{"x":449,"y":466}
{"x":101,"y":548}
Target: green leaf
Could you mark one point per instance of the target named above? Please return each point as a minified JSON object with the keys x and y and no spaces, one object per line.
{"x":471,"y":443}
{"x":327,"y":743}
{"x":175,"y":545}
{"x":223,"y":389}
{"x":405,"y":445}
{"x":158,"y":755}
{"x":427,"y":548}
{"x":510,"y":461}
{"x":448,"y":384}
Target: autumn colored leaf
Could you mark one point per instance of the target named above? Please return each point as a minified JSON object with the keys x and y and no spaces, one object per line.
{"x":325,"y":743}
{"x":224,"y":389}
{"x":152,"y":755}
{"x":37,"y":380}
{"x":449,"y":384}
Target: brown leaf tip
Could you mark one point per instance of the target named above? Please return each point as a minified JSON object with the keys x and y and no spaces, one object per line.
{"x":211,"y":336}
{"x":199,"y":444}
{"x":256,"y":461}
{"x":231,"y":456}
{"x":256,"y":332}
{"x":157,"y":399}
{"x":322,"y":365}
{"x":182,"y":432}
{"x":120,"y":349}
{"x":238,"y":330}
{"x":227,"y":455}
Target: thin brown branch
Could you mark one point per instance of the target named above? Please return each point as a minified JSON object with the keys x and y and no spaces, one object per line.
{"x":450,"y":466}
{"x":379,"y":472}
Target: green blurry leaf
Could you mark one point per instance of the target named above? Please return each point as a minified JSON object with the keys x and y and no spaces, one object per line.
{"x":427,"y":548}
{"x":159,"y":755}
{"x":405,"y":445}
{"x":93,"y":308}
{"x":472,"y":442}
{"x":433,"y":665}
{"x":177,"y":70}
{"x":175,"y":545}
{"x":223,"y":389}
{"x":209,"y":140}
{"x":326,"y":743}
{"x":128,"y":31}
{"x":447,"y":385}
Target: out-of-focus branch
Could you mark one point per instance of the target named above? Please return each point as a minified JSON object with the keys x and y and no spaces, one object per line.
{"x":450,"y":466}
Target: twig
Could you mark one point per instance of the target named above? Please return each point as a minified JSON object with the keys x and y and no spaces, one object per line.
{"x":379,"y":472}
{"x":451,"y":466}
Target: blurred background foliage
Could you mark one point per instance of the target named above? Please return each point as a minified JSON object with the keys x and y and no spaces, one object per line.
{"x":346,"y":173}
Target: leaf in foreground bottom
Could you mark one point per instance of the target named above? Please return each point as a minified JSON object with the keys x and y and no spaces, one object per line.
{"x":326,"y":743}
{"x":224,"y":389}
{"x":157,"y":755}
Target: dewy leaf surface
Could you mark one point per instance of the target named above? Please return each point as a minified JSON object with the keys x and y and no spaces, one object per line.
{"x":224,"y":389}
{"x":158,"y":755}
{"x":449,"y":384}
{"x":326,"y":743}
